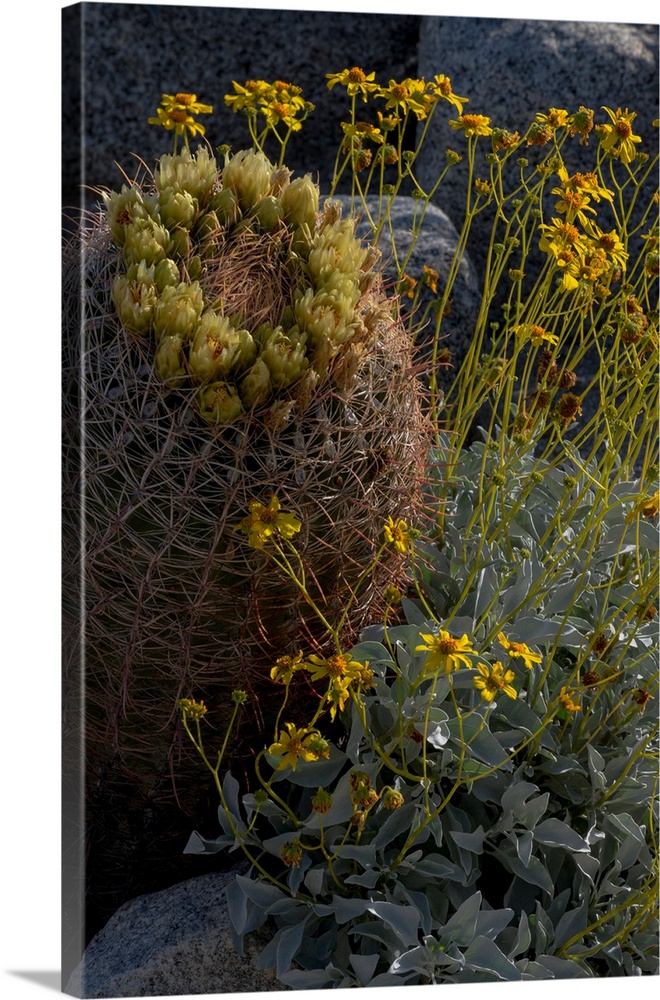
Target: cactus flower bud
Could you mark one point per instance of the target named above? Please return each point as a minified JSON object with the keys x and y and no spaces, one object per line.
{"x":180,"y":244}
{"x":166,"y":273}
{"x":268,"y":213}
{"x":226,"y":207}
{"x":178,"y":311}
{"x":219,"y":403}
{"x":256,"y":386}
{"x":217,"y":348}
{"x":300,"y":202}
{"x":194,"y":267}
{"x":145,"y":240}
{"x":196,"y":174}
{"x":135,"y":302}
{"x":248,"y":174}
{"x":177,"y":208}
{"x":285,"y":356}
{"x":169,"y":360}
{"x":124,"y":207}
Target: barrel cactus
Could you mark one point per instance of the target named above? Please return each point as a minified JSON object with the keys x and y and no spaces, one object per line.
{"x":235,"y":344}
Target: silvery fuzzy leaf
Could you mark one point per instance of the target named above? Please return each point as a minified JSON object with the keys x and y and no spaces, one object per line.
{"x":364,"y":966}
{"x":537,"y":631}
{"x":348,"y":909}
{"x":368,"y":879}
{"x":314,"y":881}
{"x":264,"y":894}
{"x":246,"y":915}
{"x":516,"y":799}
{"x":200,"y":845}
{"x":490,"y":923}
{"x":564,"y":596}
{"x":403,"y":920}
{"x":562,"y":968}
{"x":482,"y":744}
{"x":308,"y":979}
{"x":630,"y":837}
{"x":523,"y":844}
{"x":413,"y":612}
{"x":484,"y":956}
{"x":473,"y":842}
{"x":534,"y":873}
{"x":523,"y":937}
{"x":435,"y":866}
{"x":515,"y":594}
{"x":571,"y":923}
{"x":396,"y":822}
{"x":554,"y":832}
{"x":416,"y":960}
{"x":460,"y":928}
{"x":364,"y":854}
{"x":489,"y":584}
{"x":596,"y":765}
{"x":371,"y":653}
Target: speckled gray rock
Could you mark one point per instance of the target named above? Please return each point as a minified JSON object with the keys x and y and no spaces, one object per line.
{"x":134,"y":52}
{"x":512,"y":69}
{"x":178,"y":941}
{"x":435,"y":247}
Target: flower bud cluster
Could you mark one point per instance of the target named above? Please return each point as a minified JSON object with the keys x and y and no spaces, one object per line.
{"x":174,"y":238}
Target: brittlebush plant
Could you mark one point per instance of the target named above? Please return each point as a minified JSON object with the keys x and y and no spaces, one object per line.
{"x":474,"y":796}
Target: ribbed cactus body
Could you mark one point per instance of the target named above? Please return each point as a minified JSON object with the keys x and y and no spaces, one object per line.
{"x":166,"y":595}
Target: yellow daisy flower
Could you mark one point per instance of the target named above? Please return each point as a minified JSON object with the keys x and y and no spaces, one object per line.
{"x":187,"y":102}
{"x":247,"y":96}
{"x":618,"y":139}
{"x":397,"y":533}
{"x":179,"y":120}
{"x":537,"y":335}
{"x":648,"y":507}
{"x":441,"y":87}
{"x":566,"y":701}
{"x":337,"y":667}
{"x":294,"y":745}
{"x":337,"y":696}
{"x":408,"y":95}
{"x":611,"y":244}
{"x":520,"y":650}
{"x":446,"y":652}
{"x":285,"y":667}
{"x":493,"y":680}
{"x":356,"y":81}
{"x":362,"y":130}
{"x":263,"y":522}
{"x":472,"y":124}
{"x":555,"y":118}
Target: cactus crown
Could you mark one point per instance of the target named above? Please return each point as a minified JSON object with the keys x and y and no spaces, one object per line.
{"x":250,"y":296}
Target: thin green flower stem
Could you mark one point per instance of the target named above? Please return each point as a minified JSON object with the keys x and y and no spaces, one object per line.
{"x":457,"y":783}
{"x":619,"y":704}
{"x":285,"y":566}
{"x":428,"y":610}
{"x":228,"y":814}
{"x":427,"y":716}
{"x":360,"y":580}
{"x":639,"y":752}
{"x":631,"y":900}
{"x":330,"y":858}
{"x":266,"y":785}
{"x":282,"y":707}
{"x":387,"y":760}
